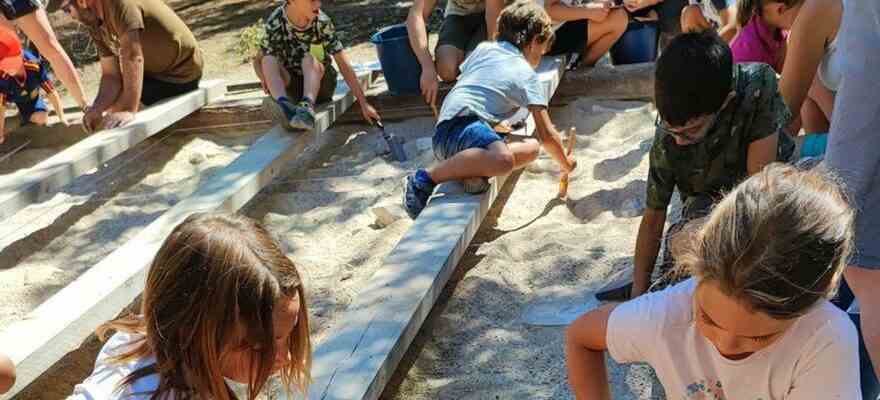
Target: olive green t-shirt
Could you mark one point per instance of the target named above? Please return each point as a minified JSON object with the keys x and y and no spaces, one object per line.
{"x":718,"y":162}
{"x":465,"y":7}
{"x":171,"y":52}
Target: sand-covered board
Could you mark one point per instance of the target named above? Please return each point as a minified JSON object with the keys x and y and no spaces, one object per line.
{"x":60,"y":324}
{"x":28,"y":186}
{"x":357,"y":359}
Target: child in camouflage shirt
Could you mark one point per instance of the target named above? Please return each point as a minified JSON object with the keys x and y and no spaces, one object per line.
{"x":295,"y":63}
{"x":717,"y":124}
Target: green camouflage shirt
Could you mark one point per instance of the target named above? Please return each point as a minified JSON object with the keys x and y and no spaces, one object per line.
{"x":290,"y":45}
{"x":718,"y":162}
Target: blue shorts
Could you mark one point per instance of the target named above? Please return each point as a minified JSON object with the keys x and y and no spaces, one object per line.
{"x":461,"y":133}
{"x":28,"y":108}
{"x":12,"y":9}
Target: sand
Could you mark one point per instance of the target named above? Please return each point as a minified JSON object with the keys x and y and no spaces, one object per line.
{"x":47,"y":245}
{"x":475,"y":344}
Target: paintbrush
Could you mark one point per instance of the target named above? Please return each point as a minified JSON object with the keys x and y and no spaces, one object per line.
{"x":434,"y":109}
{"x":569,"y":148}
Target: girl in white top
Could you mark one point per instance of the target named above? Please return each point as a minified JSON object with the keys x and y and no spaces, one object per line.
{"x":221,"y":301}
{"x":755,"y":322}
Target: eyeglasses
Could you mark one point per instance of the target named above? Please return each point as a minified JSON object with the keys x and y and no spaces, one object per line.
{"x":66,"y":6}
{"x":694,"y":132}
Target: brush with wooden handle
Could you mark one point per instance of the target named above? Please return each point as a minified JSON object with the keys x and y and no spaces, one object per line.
{"x":569,"y":148}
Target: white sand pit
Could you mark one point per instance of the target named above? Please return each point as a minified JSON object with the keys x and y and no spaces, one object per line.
{"x":475,"y":345}
{"x":325,"y":216}
{"x":47,"y":245}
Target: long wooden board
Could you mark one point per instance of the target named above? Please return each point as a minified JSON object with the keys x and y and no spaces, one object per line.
{"x":59,"y":325}
{"x":28,"y":186}
{"x":358,"y":358}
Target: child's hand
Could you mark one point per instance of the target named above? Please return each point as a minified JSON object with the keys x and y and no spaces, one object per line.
{"x":369,"y":113}
{"x":598,"y":11}
{"x":64,"y":120}
{"x":693,"y":20}
{"x":572,"y":164}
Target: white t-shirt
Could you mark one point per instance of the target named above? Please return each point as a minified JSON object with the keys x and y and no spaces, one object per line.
{"x":816,"y":358}
{"x":105,"y":379}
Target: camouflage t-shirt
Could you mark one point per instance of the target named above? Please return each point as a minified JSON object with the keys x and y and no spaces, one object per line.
{"x":718,"y":162}
{"x":290,"y":45}
{"x":465,"y":7}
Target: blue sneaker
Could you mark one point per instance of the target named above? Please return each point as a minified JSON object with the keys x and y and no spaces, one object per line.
{"x":415,"y":197}
{"x":281,"y":111}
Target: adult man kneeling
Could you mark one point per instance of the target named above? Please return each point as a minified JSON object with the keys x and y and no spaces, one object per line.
{"x":147,"y":52}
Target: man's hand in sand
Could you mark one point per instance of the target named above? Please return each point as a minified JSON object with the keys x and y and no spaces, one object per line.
{"x":117,"y":119}
{"x":92,"y":120}
{"x":429,"y":85}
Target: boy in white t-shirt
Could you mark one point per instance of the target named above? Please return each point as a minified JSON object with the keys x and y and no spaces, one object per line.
{"x":754,"y":323}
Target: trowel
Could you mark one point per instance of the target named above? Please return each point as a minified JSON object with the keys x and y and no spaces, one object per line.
{"x":395,"y":144}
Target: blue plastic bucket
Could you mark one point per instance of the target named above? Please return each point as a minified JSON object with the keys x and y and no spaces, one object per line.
{"x":637,"y":45}
{"x":399,"y":64}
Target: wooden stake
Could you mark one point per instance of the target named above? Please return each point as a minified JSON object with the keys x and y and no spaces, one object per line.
{"x":569,"y":144}
{"x":434,"y":109}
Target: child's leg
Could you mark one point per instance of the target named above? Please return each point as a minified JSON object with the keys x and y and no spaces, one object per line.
{"x":39,"y":118}
{"x":313,"y":73}
{"x":823,"y":97}
{"x":602,"y":35}
{"x":272,"y":75}
{"x":498,"y":159}
{"x":812,"y":117}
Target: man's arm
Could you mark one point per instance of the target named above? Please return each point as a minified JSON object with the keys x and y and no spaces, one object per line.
{"x":549,"y":138}
{"x":647,"y":247}
{"x":110,"y":86}
{"x":131,"y":62}
{"x":419,"y":12}
{"x":585,"y":346}
{"x":493,"y":10}
{"x":761,"y":152}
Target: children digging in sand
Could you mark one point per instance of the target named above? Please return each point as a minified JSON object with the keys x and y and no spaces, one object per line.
{"x":295,"y":64}
{"x":496,"y":80}
{"x":221,"y":301}
{"x":717,"y":124}
{"x":22,"y":75}
{"x":754,"y":322}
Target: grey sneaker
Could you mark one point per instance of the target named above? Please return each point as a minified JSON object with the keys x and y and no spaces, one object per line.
{"x":279,"y":111}
{"x":303,"y":116}
{"x":475,"y":185}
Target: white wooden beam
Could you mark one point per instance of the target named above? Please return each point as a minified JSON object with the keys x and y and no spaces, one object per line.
{"x":358,"y":358}
{"x":29,"y":185}
{"x":59,"y":325}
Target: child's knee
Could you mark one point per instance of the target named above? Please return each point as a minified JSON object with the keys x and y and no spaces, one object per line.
{"x":503,"y":160}
{"x":311,"y":65}
{"x":619,"y":19}
{"x":39,"y":118}
{"x":447,"y":67}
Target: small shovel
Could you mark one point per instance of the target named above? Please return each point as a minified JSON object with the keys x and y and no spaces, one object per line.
{"x":563,"y":180}
{"x":395,"y":144}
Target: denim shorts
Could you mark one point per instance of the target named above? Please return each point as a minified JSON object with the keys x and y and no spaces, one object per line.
{"x":461,"y":133}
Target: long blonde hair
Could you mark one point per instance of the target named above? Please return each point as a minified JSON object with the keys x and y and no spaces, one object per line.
{"x":778,"y":242}
{"x":215,"y":273}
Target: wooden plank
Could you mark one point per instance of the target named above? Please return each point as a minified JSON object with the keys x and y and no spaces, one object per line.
{"x":356,"y":360}
{"x":28,"y":186}
{"x":59,"y":325}
{"x":620,"y":82}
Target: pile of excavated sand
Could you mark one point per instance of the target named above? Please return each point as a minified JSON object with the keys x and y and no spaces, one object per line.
{"x":476,"y":345}
{"x":48,"y":245}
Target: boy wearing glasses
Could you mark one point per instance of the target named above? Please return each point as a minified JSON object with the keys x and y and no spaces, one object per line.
{"x":147,"y":54}
{"x":717,"y":124}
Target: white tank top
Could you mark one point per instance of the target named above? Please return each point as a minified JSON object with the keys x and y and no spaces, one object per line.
{"x":831,"y":68}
